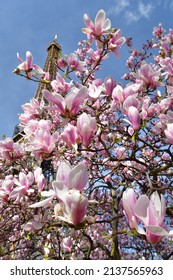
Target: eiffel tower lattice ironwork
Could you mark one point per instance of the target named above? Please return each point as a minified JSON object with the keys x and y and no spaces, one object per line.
{"x":53,"y":53}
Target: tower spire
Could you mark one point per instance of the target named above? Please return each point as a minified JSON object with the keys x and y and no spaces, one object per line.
{"x":50,"y":67}
{"x":53,"y":53}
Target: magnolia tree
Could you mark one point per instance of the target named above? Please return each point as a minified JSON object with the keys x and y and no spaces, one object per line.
{"x":92,"y":177}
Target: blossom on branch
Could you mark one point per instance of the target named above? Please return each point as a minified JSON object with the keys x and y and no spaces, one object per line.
{"x":86,"y":126}
{"x":100,"y":26}
{"x":27,"y":66}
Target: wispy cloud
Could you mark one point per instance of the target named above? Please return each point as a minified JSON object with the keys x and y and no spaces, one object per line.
{"x":145,"y":10}
{"x":119,"y":6}
{"x":142,"y":11}
{"x":132,"y":12}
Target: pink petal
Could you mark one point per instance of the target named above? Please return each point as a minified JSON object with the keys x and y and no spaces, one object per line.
{"x":157,"y":230}
{"x":29,"y":59}
{"x":78,"y":177}
{"x":78,"y":99}
{"x":134,"y":117}
{"x":88,"y":22}
{"x":56,"y":99}
{"x":63,"y":172}
{"x":99,"y":21}
{"x":140,"y":208}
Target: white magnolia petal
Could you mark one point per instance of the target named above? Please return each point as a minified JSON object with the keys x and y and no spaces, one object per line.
{"x":48,"y":193}
{"x":41,"y":203}
{"x":157,"y":230}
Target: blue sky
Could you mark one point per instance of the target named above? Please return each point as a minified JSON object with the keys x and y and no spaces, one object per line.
{"x":31,"y":25}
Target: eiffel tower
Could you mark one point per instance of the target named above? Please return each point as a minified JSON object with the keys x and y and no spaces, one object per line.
{"x":53,"y":53}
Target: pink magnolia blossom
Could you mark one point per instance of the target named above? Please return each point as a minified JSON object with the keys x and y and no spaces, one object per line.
{"x":6,"y":187}
{"x":169,"y":132}
{"x":68,"y":189}
{"x":148,"y":76}
{"x":100,"y":26}
{"x":32,"y":107}
{"x":86,"y":126}
{"x":70,"y":136}
{"x":167,"y":65}
{"x":34,"y":125}
{"x":94,"y":91}
{"x":67,"y":178}
{"x":74,"y":205}
{"x":116,"y":42}
{"x":134,"y":117}
{"x":158,"y":31}
{"x":36,"y":224}
{"x":132,"y":89}
{"x":23,"y":185}
{"x":31,"y":110}
{"x":67,"y":243}
{"x":43,"y":142}
{"x":151,"y":212}
{"x":118,"y":94}
{"x":95,"y":56}
{"x":27,"y":66}
{"x":61,"y":63}
{"x":60,"y":85}
{"x":39,"y":179}
{"x":68,"y":105}
{"x":74,"y":63}
{"x":109,"y":85}
{"x":10,"y":150}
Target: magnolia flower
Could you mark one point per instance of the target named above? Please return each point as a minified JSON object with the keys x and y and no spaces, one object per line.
{"x":74,"y":205}
{"x":34,"y":125}
{"x":86,"y":126}
{"x":31,"y":110}
{"x":23,"y":185}
{"x":6,"y":187}
{"x":60,"y":85}
{"x":116,"y":42}
{"x":109,"y":85}
{"x":10,"y":150}
{"x":94,"y":91}
{"x":100,"y":26}
{"x":118,"y":94}
{"x":36,"y":224}
{"x":68,"y":105}
{"x":134,"y":117}
{"x":27,"y":66}
{"x":70,"y":136}
{"x":148,"y":76}
{"x":67,"y":243}
{"x":40,"y":179}
{"x":67,"y":178}
{"x":74,"y":63}
{"x":43,"y":141}
{"x":151,"y":212}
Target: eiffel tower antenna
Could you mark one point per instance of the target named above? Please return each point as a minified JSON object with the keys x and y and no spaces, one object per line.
{"x":50,"y":66}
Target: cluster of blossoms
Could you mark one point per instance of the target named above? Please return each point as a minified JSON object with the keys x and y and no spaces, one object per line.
{"x":92,"y":175}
